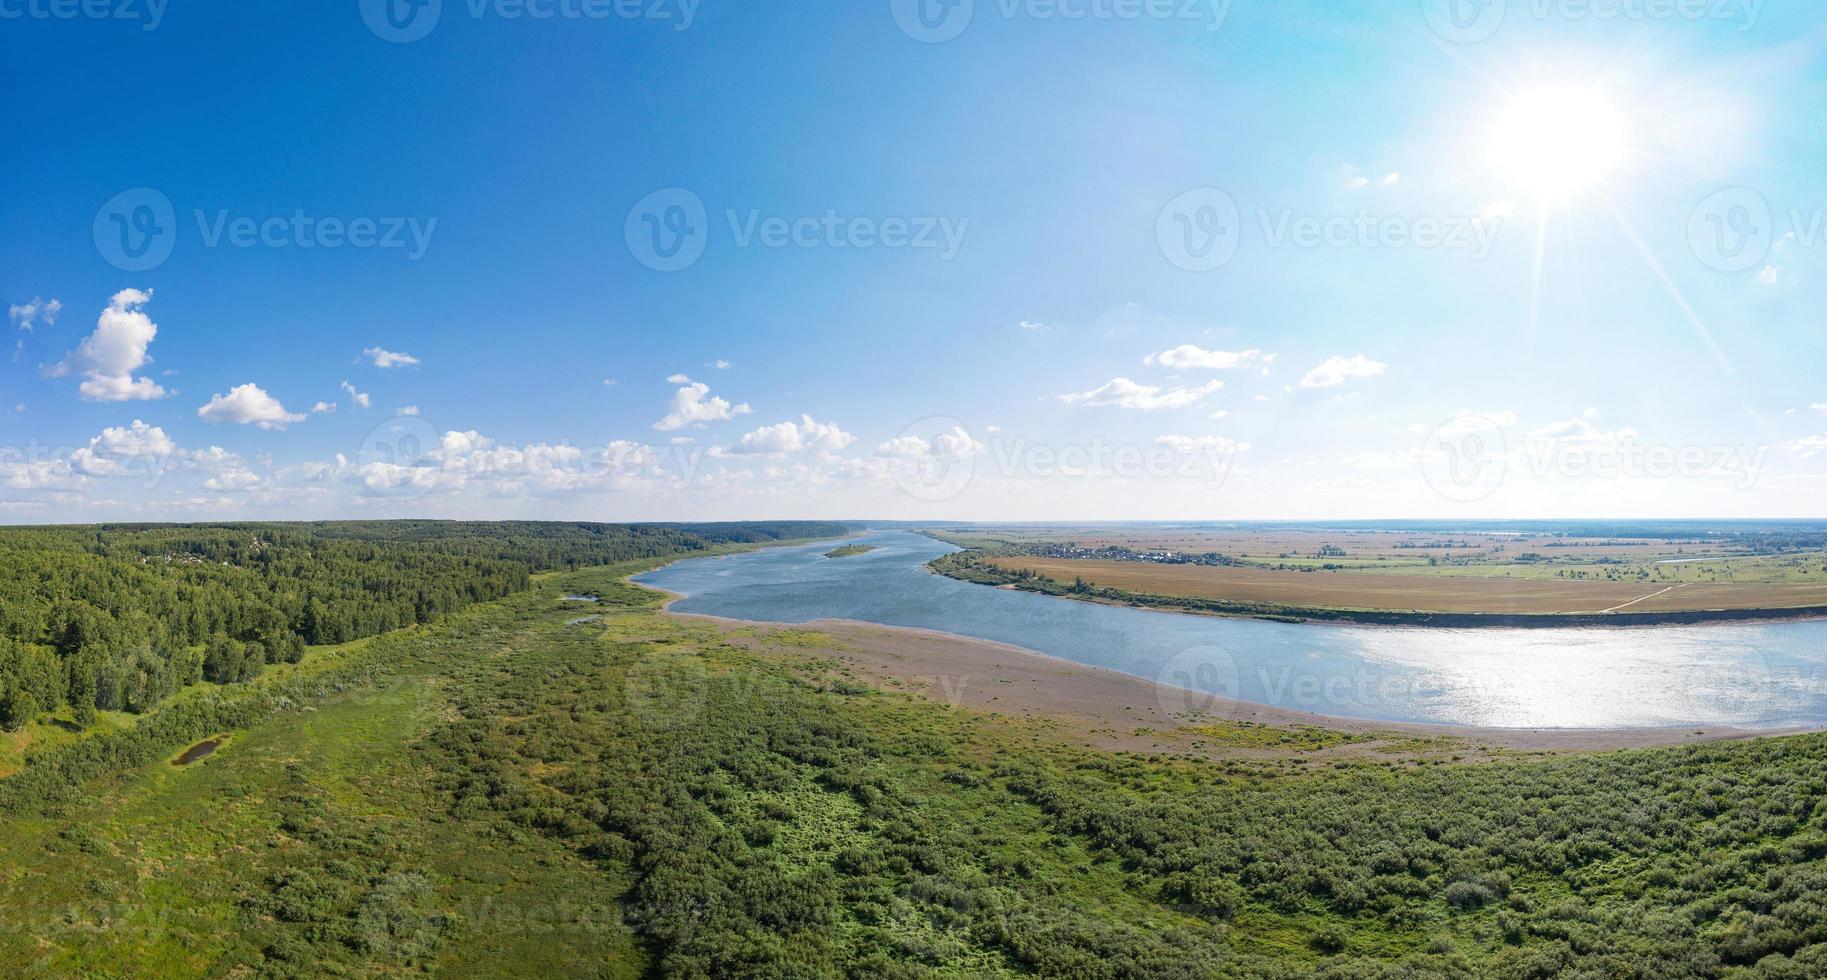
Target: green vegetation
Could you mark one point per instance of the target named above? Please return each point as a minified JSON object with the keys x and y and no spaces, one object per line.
{"x":500,"y":793}
{"x":120,"y":617}
{"x":850,"y":551}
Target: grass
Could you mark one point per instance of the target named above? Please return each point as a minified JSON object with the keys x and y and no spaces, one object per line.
{"x":850,"y":551}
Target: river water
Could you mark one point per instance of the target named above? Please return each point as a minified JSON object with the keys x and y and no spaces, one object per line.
{"x":1743,"y":675}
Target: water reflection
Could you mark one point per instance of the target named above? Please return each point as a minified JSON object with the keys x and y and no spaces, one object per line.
{"x":1744,"y":675}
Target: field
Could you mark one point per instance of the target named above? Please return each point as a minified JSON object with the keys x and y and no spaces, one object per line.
{"x":1445,"y":570}
{"x":501,"y":793}
{"x":1418,"y":592}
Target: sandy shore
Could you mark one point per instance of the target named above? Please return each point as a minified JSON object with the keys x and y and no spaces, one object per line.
{"x":1109,"y":709}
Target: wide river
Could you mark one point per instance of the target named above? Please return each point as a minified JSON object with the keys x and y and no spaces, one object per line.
{"x":1743,"y":675}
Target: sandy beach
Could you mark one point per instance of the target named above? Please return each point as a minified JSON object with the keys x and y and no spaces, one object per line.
{"x":1113,"y":710}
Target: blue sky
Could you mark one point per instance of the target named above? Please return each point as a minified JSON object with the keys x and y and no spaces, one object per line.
{"x":1019,"y":259}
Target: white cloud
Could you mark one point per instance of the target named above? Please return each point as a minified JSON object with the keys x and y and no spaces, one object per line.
{"x":1337,"y":370}
{"x":954,"y":443}
{"x":26,"y":316}
{"x":1190,"y":356}
{"x":1807,"y":446}
{"x":610,"y":382}
{"x":108,"y":357}
{"x":359,"y":398}
{"x":410,"y":410}
{"x":1202,"y":444}
{"x":1391,"y":179}
{"x":1124,"y":393}
{"x":1819,"y":407}
{"x":1579,"y":433}
{"x":1035,"y":326}
{"x":382,"y":358}
{"x":807,"y":435}
{"x":693,"y":404}
{"x":323,"y":408}
{"x":721,"y":364}
{"x":112,"y":452}
{"x":677,"y":379}
{"x":248,"y":405}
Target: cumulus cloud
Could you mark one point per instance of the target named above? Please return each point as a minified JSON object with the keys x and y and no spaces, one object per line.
{"x":1337,"y":370}
{"x":382,"y":358}
{"x":359,"y":399}
{"x":1124,"y":393}
{"x":807,"y":435}
{"x":694,"y":405}
{"x":1191,"y":356}
{"x":953,"y":443}
{"x":107,"y":358}
{"x":120,"y":448}
{"x":323,"y":408}
{"x":248,"y":405}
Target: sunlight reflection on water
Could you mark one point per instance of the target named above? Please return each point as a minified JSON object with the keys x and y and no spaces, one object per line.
{"x":1743,"y":675}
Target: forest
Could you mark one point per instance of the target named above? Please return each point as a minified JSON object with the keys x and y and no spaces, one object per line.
{"x":120,"y":617}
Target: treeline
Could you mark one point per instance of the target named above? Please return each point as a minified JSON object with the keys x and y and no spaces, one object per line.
{"x":118,"y":617}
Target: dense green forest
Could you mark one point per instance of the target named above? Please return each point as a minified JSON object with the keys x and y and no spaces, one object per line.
{"x":118,"y":617}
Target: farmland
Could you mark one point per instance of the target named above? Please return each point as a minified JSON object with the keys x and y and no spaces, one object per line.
{"x":1450,"y":571}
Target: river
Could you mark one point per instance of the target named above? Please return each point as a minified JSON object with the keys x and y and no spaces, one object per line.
{"x":1756,"y":676}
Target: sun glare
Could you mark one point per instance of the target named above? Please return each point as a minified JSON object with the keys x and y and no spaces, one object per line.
{"x":1556,"y":142}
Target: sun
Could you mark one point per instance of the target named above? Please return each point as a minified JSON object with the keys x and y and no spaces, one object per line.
{"x":1556,"y":142}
